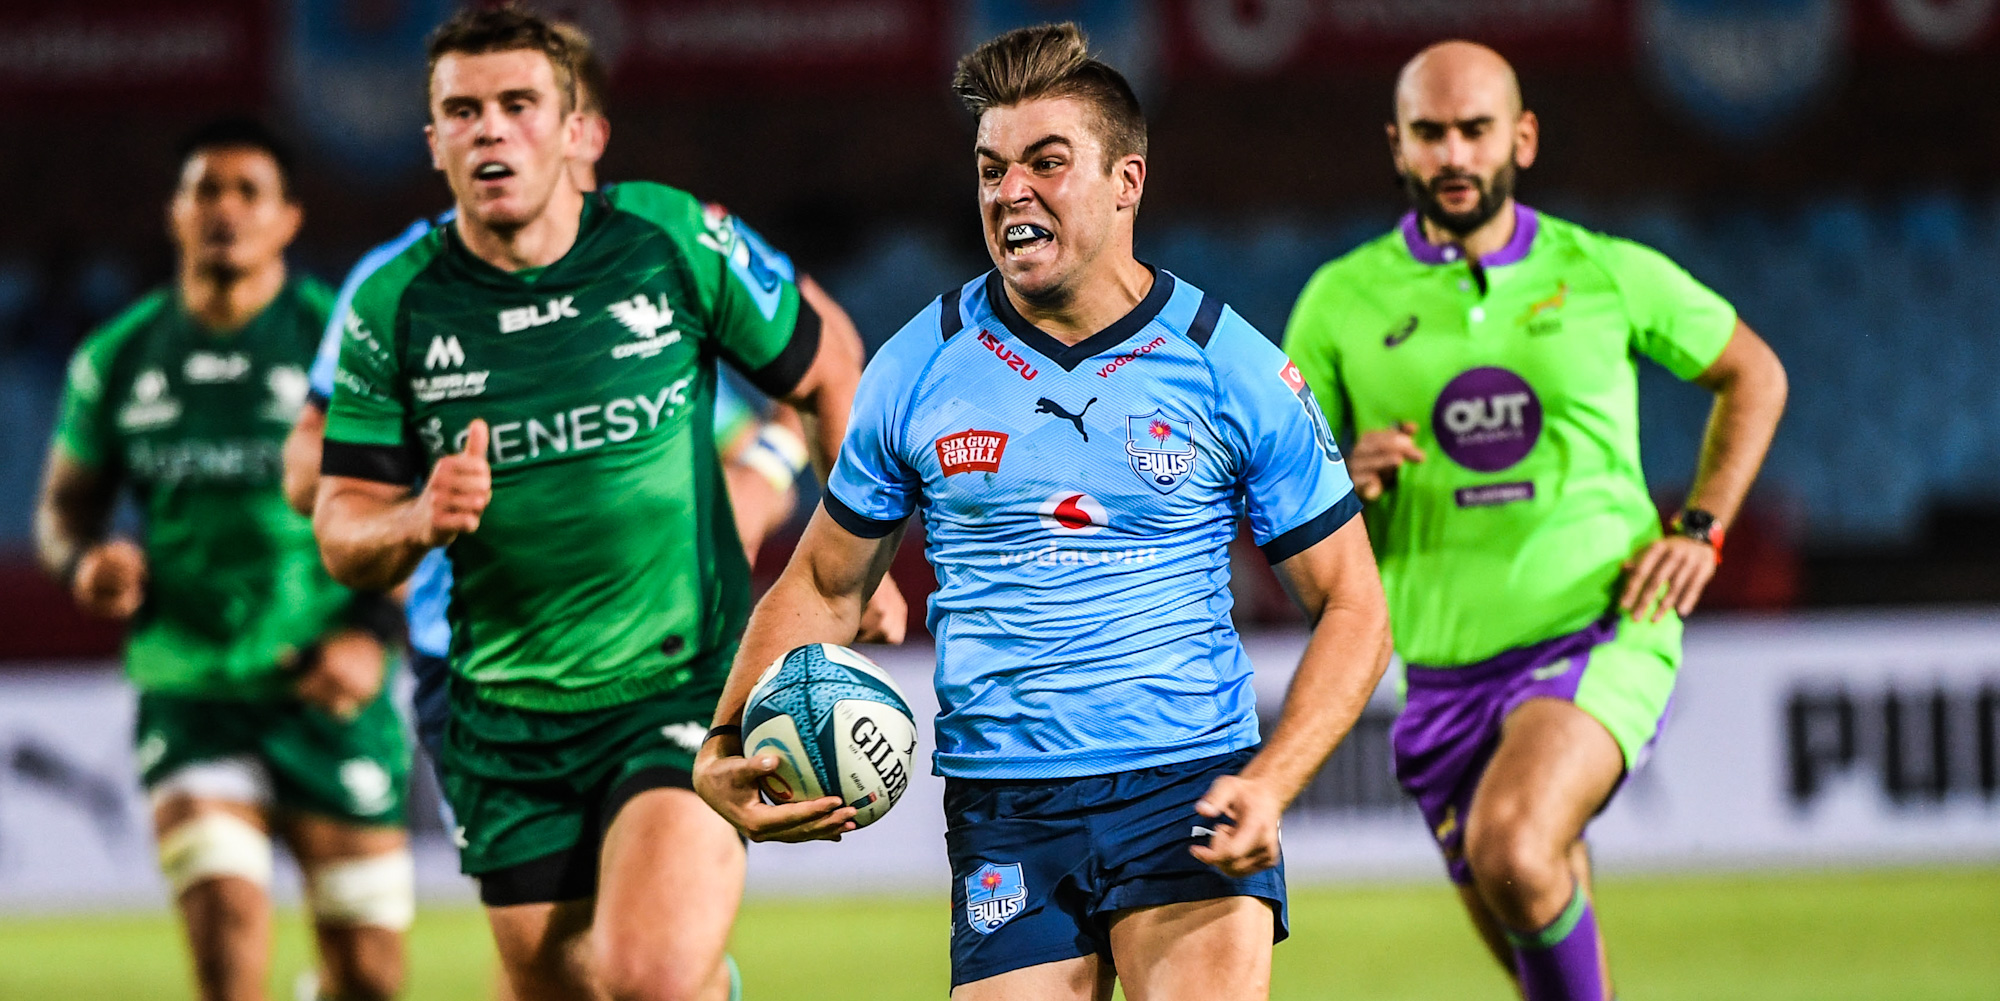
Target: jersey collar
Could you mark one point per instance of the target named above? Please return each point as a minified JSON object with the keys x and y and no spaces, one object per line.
{"x":1527,"y":222}
{"x":596,"y":206}
{"x":1069,"y":356}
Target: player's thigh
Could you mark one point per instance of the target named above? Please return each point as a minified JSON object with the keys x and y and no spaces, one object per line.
{"x":544,"y":949}
{"x":1553,"y":769}
{"x":1199,"y":950}
{"x":1083,"y":978}
{"x":669,"y":883}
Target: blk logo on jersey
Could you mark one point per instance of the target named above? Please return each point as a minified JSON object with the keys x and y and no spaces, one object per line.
{"x":994,"y":894}
{"x":522,"y":317}
{"x":1487,"y":419}
{"x":1018,"y":362}
{"x":971,"y":451}
{"x":1160,"y":449}
{"x":1067,"y":512}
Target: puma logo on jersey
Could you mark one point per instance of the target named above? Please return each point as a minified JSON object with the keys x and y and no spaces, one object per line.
{"x":522,"y":317}
{"x":445,"y":352}
{"x":1054,"y":409}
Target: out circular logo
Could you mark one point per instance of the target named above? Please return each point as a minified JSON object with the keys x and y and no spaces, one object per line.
{"x":1070,"y":512}
{"x":1487,"y":419}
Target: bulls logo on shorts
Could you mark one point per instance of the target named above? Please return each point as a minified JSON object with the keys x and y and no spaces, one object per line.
{"x":994,"y":894}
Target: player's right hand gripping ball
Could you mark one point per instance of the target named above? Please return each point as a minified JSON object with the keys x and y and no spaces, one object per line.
{"x":837,"y":725}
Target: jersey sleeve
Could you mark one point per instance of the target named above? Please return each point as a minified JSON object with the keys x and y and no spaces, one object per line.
{"x":84,"y":430}
{"x":873,"y":486}
{"x":1310,"y":341}
{"x":750,"y":291}
{"x":1675,"y":320}
{"x":367,"y":418}
{"x":1295,"y":483}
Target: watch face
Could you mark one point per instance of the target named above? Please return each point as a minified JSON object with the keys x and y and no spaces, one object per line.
{"x":1696,"y":523}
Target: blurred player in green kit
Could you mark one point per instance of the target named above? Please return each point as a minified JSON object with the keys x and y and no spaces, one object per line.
{"x":261,"y":705}
{"x":1483,"y":357}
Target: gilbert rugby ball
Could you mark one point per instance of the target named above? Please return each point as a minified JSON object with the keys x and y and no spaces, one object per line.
{"x":837,"y":725}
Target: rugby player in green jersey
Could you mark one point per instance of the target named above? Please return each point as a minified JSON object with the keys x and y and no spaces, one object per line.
{"x":261,"y":705}
{"x":546,"y":364}
{"x":1483,"y":357}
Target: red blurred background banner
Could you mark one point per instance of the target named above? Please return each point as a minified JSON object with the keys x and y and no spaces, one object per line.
{"x":157,"y":52}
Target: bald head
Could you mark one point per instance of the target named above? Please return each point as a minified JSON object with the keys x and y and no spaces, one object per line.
{"x":1453,"y":78}
{"x":1460,"y":135}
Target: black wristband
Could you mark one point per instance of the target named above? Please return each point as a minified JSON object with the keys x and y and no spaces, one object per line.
{"x":377,"y":615}
{"x":725,"y":730}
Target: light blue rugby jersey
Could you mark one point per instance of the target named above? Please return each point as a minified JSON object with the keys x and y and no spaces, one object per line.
{"x":1078,"y":505}
{"x":430,"y":582}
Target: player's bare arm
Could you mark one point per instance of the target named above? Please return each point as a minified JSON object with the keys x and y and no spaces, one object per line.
{"x":302,"y":453}
{"x":372,"y":534}
{"x":1336,"y":582}
{"x":1749,"y":385}
{"x":819,"y":598}
{"x":823,"y":397}
{"x":107,"y":577}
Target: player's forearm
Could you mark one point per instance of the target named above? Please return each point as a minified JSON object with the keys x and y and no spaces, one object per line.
{"x":72,"y":514}
{"x":793,"y":612}
{"x":1343,"y":663}
{"x":302,"y":454}
{"x":369,"y":542}
{"x":1750,"y":396}
{"x":827,"y":393}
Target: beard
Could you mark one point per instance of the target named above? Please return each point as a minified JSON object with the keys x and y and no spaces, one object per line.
{"x":1493,"y":193}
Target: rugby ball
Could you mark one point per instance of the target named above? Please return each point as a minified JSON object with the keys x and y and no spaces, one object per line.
{"x":837,"y":725}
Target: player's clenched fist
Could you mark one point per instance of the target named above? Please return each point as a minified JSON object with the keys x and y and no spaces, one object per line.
{"x":1377,"y":454}
{"x":459,"y":488}
{"x":110,"y":579}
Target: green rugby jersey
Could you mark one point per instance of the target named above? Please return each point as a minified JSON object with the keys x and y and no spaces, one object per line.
{"x":1520,"y":374}
{"x":607,"y":567}
{"x":194,"y":422}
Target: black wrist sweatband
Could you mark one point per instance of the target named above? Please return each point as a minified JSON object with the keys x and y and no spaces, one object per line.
{"x":725,"y":730}
{"x":373,"y":612}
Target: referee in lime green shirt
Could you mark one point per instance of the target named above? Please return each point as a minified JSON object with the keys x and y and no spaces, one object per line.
{"x":1483,"y":359}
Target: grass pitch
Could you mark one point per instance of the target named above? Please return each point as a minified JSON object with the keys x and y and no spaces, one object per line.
{"x":1908,"y":935}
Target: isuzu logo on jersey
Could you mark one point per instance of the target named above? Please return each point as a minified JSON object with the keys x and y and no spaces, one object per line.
{"x":1019,"y":363}
{"x":971,"y":451}
{"x":648,"y":320}
{"x":1322,"y":432}
{"x":1160,"y":449}
{"x":1487,"y":419}
{"x":523,"y":317}
{"x":1067,"y":512}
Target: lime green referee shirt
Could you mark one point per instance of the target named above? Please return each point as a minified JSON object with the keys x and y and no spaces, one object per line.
{"x":1520,"y":373}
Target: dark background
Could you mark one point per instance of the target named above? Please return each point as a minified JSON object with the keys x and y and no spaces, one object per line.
{"x":1829,"y":165}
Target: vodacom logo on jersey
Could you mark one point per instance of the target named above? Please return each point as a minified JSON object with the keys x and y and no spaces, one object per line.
{"x":1067,"y":512}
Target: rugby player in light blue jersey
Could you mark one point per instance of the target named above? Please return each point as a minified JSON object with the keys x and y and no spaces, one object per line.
{"x":764,"y":457}
{"x":1083,"y":433}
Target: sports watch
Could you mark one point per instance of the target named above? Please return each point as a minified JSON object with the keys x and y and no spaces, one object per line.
{"x":1699,"y":525}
